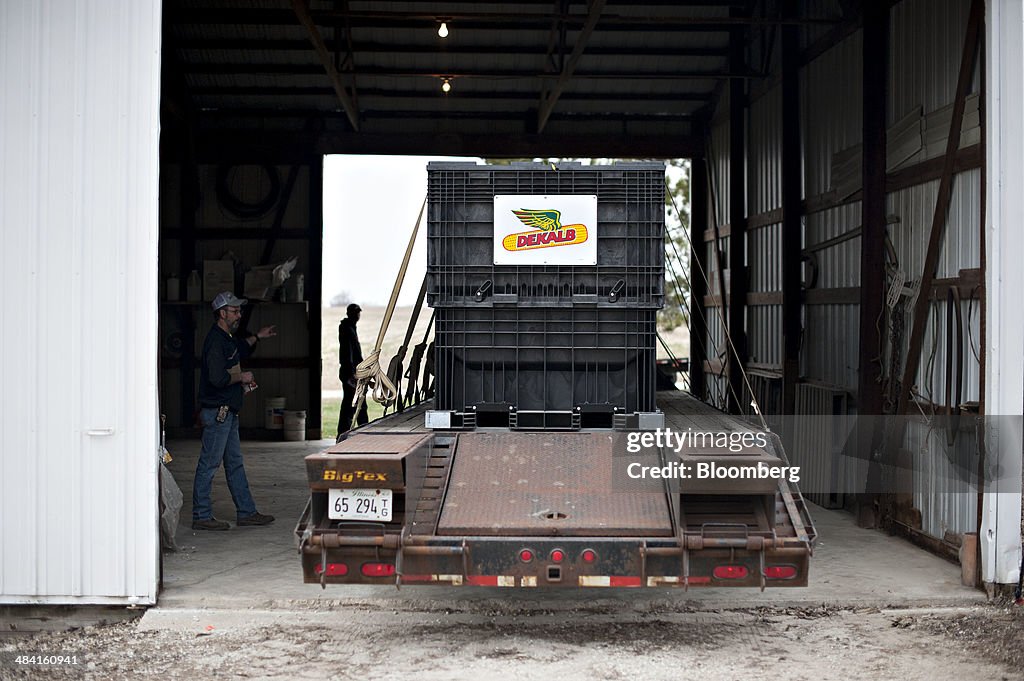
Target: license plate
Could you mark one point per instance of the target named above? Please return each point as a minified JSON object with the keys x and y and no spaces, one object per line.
{"x":359,"y":504}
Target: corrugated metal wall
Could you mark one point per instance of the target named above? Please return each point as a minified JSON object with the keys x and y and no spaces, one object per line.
{"x":926,"y":45}
{"x":78,"y":247}
{"x":718,"y":175}
{"x":831,"y":123}
{"x":764,"y":149}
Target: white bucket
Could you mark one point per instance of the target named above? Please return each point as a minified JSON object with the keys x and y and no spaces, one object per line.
{"x":273,"y":412}
{"x":295,"y":426}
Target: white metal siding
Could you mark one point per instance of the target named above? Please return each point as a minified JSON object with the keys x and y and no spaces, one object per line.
{"x":78,"y":250}
{"x":1000,"y":535}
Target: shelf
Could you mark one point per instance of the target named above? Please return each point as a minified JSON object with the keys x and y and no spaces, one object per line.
{"x":219,"y":233}
{"x":250,"y":363}
{"x":206,"y":303}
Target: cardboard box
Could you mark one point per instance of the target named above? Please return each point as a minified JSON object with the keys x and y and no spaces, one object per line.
{"x":218,"y":275}
{"x":259,"y":283}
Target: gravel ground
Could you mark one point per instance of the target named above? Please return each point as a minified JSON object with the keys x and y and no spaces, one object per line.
{"x":486,"y":640}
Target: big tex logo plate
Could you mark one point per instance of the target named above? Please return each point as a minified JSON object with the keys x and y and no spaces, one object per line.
{"x":559,"y":229}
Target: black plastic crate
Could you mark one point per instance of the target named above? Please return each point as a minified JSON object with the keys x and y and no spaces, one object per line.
{"x":545,"y":359}
{"x":630,"y":269}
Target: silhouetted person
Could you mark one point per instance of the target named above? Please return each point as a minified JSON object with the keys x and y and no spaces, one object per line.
{"x":350,"y":354}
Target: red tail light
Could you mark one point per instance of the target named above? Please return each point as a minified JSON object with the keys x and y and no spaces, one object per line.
{"x":333,"y":569}
{"x":780,"y":572}
{"x":557,"y":556}
{"x":378,"y":569}
{"x":588,"y":556}
{"x":730,"y":572}
{"x":526,"y":555}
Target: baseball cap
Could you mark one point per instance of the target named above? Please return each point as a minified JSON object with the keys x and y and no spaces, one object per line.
{"x":227,"y":299}
{"x":353,"y":308}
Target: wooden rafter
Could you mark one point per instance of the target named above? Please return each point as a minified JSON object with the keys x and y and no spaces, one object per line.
{"x":348,"y":102}
{"x":975,"y":25}
{"x":547,"y":103}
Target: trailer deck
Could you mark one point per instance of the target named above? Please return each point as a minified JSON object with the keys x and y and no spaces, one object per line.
{"x":495,"y":507}
{"x":547,"y":483}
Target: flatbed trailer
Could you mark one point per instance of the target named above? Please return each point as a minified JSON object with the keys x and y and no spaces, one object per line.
{"x":501,"y":507}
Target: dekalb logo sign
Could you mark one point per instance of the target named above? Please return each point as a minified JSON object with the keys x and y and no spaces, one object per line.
{"x":549,"y":231}
{"x":560,"y":230}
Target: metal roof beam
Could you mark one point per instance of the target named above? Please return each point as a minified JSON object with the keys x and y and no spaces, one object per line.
{"x":343,"y":42}
{"x":501,"y":21}
{"x":547,"y":103}
{"x":272,"y":147}
{"x":590,"y":96}
{"x":624,"y":3}
{"x":556,"y":40}
{"x":442,"y":114}
{"x":385,"y":48}
{"x":347,"y":100}
{"x":496,"y":74}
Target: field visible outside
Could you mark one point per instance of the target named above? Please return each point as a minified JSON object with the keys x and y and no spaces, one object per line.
{"x":368,"y":328}
{"x":369,"y":325}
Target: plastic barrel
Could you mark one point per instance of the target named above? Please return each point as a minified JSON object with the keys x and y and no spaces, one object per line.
{"x":295,"y":426}
{"x":273,"y":410}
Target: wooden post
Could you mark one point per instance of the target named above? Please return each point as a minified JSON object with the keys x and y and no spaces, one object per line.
{"x":698,"y":270}
{"x":737,"y":221}
{"x":872,"y":249}
{"x":791,"y":211}
{"x":313,"y":291}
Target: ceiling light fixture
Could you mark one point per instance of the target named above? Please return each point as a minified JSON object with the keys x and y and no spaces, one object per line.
{"x":446,"y":85}
{"x":443,"y":30}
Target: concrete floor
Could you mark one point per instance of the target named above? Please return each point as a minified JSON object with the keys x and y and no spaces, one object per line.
{"x":258,"y":567}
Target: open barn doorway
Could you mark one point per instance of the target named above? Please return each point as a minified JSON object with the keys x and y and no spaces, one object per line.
{"x":370,"y":208}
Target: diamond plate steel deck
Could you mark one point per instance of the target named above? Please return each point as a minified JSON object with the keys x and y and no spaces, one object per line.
{"x":509,"y":484}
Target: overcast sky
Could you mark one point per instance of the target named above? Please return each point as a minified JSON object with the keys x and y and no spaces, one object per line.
{"x":370,"y":207}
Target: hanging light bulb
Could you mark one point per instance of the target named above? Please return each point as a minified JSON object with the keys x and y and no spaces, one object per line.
{"x":443,"y":30}
{"x":446,"y":86}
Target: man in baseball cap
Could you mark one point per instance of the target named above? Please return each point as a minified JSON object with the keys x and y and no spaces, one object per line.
{"x":227,"y":298}
{"x":221,"y":386}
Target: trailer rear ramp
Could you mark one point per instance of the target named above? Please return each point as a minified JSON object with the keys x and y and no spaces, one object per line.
{"x":544,"y":484}
{"x":497,"y":507}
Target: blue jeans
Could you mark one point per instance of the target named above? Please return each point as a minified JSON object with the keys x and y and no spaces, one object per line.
{"x":220,"y":443}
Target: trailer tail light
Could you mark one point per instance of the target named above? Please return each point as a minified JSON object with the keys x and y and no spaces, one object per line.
{"x":526,"y":555}
{"x":730,"y":572}
{"x":780,"y":571}
{"x":333,"y":569}
{"x":588,"y":556}
{"x":557,"y":555}
{"x":378,"y":569}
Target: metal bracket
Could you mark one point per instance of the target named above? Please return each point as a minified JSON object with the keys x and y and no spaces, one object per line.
{"x":643,"y":563}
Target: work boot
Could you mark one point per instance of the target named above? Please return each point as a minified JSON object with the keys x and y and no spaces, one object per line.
{"x":255,"y":519}
{"x":210,"y":524}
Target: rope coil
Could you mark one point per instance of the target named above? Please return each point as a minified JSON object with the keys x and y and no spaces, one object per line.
{"x":369,"y":372}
